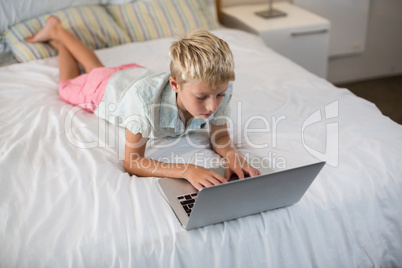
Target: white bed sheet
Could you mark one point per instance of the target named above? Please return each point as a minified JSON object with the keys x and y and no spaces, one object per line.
{"x":65,"y":205}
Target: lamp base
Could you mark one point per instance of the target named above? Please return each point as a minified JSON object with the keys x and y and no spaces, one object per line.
{"x":270,"y":13}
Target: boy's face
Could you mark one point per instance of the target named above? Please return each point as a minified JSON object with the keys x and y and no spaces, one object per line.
{"x":196,"y":99}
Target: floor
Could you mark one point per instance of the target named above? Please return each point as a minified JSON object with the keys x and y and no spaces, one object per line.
{"x":386,"y":93}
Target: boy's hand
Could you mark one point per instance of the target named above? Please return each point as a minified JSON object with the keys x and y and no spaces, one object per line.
{"x":235,"y":163}
{"x":201,"y":177}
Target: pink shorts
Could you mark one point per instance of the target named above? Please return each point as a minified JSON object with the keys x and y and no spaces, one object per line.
{"x":87,"y":90}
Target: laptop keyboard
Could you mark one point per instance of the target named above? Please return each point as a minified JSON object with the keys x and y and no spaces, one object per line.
{"x":187,"y":201}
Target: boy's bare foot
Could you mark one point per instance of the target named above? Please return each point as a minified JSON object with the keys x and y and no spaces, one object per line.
{"x":46,"y":33}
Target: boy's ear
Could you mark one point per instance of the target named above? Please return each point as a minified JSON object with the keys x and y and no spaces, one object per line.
{"x":173,"y":84}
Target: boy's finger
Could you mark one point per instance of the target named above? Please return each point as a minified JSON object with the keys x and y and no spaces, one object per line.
{"x":219,"y":177}
{"x":215,"y":181}
{"x":198,"y":186}
{"x":254,"y":172}
{"x":206,"y":183}
{"x":228,"y":174}
{"x":240,"y":174}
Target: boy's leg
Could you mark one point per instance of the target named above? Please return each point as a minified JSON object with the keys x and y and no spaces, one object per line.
{"x":53,"y":30}
{"x":68,"y":66}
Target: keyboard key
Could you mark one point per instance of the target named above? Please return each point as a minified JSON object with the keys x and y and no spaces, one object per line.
{"x":187,"y":202}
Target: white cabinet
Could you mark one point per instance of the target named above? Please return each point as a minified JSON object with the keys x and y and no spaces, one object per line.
{"x":301,"y":35}
{"x":349,"y":20}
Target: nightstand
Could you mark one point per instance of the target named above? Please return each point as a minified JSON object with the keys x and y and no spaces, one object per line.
{"x":300,"y":36}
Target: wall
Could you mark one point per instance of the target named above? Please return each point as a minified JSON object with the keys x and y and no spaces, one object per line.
{"x":383,"y":52}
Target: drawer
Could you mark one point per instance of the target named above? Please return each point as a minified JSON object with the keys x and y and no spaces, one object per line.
{"x":307,"y":47}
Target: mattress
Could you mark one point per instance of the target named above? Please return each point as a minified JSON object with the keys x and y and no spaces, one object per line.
{"x":66,"y":200}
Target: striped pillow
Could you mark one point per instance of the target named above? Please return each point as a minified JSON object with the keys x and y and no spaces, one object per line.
{"x":91,"y":24}
{"x":152,"y":19}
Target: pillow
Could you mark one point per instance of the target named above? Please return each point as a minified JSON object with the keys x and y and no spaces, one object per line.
{"x":152,"y":19}
{"x":91,"y":24}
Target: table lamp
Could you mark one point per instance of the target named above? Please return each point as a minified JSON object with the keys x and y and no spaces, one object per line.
{"x":271,"y":12}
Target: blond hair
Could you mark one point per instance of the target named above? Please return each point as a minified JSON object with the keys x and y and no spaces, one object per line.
{"x":200,"y":55}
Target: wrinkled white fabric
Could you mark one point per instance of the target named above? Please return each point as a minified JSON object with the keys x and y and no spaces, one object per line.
{"x":65,"y":199}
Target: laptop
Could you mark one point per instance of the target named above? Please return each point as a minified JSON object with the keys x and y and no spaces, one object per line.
{"x":236,"y":198}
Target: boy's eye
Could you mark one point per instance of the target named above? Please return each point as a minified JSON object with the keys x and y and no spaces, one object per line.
{"x":205,"y":97}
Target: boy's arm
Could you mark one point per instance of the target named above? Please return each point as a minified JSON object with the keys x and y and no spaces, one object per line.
{"x":223,"y":145}
{"x":136,"y":164}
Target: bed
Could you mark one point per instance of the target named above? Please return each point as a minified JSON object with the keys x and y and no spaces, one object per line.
{"x":66,"y":201}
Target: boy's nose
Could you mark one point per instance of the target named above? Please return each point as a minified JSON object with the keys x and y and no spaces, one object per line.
{"x":212,"y":105}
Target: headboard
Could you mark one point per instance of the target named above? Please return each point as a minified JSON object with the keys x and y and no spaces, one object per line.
{"x":218,"y":6}
{"x":13,"y":12}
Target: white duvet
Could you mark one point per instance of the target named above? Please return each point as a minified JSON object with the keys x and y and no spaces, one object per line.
{"x":65,"y":199}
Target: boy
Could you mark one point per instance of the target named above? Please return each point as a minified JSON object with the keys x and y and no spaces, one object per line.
{"x":201,"y":67}
{"x":195,"y":92}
